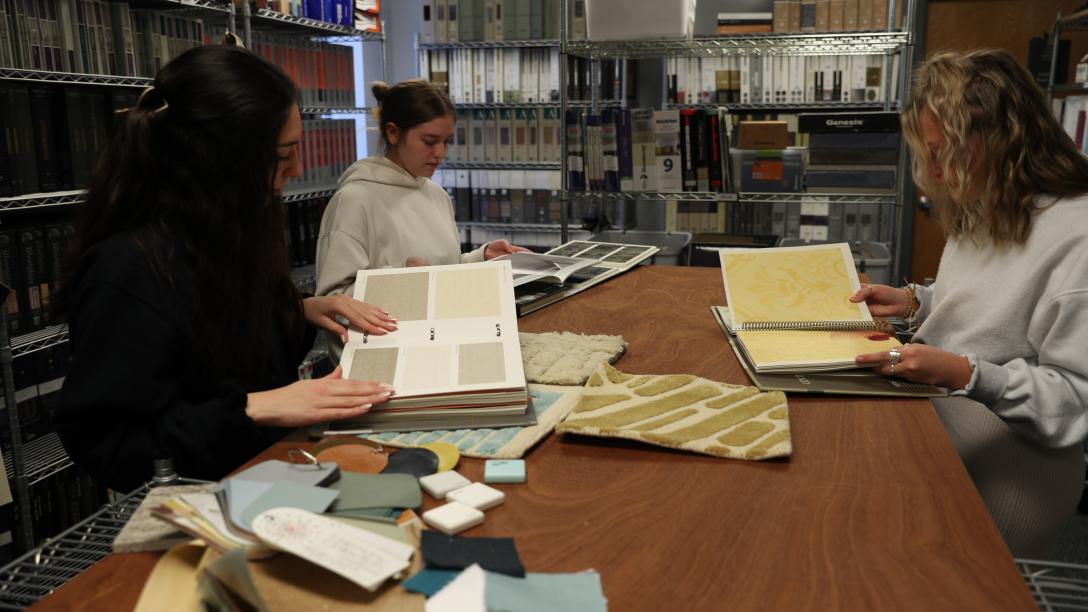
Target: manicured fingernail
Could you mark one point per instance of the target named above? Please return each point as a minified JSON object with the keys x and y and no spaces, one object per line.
{"x":365,"y":406}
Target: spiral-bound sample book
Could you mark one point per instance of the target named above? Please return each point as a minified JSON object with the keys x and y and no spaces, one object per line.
{"x":790,"y":308}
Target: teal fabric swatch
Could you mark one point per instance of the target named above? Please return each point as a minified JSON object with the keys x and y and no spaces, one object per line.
{"x":430,"y":581}
{"x":545,"y":592}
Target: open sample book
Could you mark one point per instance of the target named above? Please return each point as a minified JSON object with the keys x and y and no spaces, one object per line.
{"x":600,"y":261}
{"x":855,"y":381}
{"x":789,"y":309}
{"x":455,"y":358}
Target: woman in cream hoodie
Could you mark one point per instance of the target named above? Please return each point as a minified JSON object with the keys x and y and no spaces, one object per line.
{"x":387,"y":211}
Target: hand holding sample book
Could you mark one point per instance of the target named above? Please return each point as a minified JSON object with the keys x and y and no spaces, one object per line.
{"x":455,"y":359}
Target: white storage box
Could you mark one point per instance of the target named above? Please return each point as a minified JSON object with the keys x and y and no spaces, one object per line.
{"x":639,"y":19}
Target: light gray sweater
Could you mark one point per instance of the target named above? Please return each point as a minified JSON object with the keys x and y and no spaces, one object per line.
{"x":1020,"y":314}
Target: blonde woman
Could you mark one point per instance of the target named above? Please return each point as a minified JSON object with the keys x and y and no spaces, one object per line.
{"x":1005,"y":325}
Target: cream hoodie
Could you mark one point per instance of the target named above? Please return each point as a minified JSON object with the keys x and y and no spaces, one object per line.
{"x":380,"y":216}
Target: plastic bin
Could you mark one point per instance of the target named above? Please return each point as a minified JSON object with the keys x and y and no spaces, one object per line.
{"x":872,"y":258}
{"x":641,"y":19}
{"x":673,"y":245}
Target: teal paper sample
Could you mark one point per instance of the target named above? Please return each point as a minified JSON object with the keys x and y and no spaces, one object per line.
{"x":545,"y":592}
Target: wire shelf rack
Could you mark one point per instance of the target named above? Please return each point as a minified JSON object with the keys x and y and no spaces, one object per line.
{"x":553,"y":104}
{"x":46,"y":568}
{"x":833,"y":198}
{"x":499,"y":226}
{"x":42,"y":200}
{"x":299,"y":195}
{"x":490,"y":44}
{"x":43,"y":458}
{"x":477,"y":165}
{"x":854,"y":43}
{"x":782,"y":107}
{"x":320,"y":110}
{"x":1074,"y":21}
{"x":38,"y":76}
{"x":275,"y":19}
{"x":1057,"y":587}
{"x":39,"y":340}
{"x":682,"y":196}
{"x":194,"y":5}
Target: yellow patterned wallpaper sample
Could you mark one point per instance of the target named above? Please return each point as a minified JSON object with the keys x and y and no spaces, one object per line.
{"x":683,"y":412}
{"x":792,"y":284}
{"x":793,"y":350}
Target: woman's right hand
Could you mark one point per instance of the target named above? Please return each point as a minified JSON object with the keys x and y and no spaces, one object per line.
{"x":315,"y":401}
{"x":882,"y":300}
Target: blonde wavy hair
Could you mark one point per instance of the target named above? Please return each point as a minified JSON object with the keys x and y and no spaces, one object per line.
{"x":1002,"y":145}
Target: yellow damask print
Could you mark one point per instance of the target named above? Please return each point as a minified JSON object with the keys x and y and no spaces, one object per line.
{"x":792,"y":284}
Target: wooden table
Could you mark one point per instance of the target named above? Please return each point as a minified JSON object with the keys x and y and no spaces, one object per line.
{"x":874,"y":510}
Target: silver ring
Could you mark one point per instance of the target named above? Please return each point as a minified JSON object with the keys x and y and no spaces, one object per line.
{"x":894,"y":356}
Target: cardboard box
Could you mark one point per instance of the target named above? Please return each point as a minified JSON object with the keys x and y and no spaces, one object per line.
{"x":763,"y":135}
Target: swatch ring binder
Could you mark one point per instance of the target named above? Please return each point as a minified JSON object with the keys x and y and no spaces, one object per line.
{"x":875,"y":325}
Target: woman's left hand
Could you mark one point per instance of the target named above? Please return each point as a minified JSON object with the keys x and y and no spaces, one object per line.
{"x":921,"y":363}
{"x":497,"y":248}
{"x":321,"y":311}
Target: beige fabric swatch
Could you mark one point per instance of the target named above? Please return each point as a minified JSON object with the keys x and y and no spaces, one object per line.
{"x":481,"y":363}
{"x":467,"y":293}
{"x":378,"y":364}
{"x":404,"y":296}
{"x":684,"y":412}
{"x":563,"y":358}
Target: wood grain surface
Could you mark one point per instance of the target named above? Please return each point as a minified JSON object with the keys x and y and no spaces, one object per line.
{"x":874,"y":510}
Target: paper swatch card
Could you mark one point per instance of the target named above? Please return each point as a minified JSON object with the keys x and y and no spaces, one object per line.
{"x":363,"y":557}
{"x":456,"y":343}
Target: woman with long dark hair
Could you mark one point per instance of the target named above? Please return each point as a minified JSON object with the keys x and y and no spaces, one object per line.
{"x":1005,"y":325}
{"x":186,"y":328}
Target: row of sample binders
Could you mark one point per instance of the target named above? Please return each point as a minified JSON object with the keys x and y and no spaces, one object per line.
{"x":505,"y":135}
{"x":450,"y":21}
{"x":814,"y":218}
{"x":503,"y":196}
{"x":30,"y":263}
{"x":834,"y":15}
{"x":98,"y":36}
{"x":513,"y":75}
{"x":54,"y":137}
{"x":780,"y":79}
{"x":323,"y":73}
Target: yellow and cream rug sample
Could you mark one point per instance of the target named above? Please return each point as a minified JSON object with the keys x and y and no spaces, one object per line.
{"x":684,"y":412}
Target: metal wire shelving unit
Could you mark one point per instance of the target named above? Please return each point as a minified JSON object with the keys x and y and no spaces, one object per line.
{"x":1056,"y":586}
{"x":482,"y":165}
{"x":841,"y":43}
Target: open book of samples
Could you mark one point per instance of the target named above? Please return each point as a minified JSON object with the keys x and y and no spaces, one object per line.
{"x":600,"y":262}
{"x":790,"y":308}
{"x":455,"y":358}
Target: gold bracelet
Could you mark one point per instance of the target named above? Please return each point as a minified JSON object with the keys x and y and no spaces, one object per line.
{"x":912,"y":302}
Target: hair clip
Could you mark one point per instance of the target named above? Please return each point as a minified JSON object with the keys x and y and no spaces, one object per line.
{"x":144,"y":93}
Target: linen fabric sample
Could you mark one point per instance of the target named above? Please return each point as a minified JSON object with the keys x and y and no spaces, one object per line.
{"x":564,"y":358}
{"x":683,"y":412}
{"x":455,"y":552}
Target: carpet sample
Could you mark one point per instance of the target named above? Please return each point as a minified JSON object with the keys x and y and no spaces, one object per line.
{"x":563,"y":358}
{"x":683,"y":412}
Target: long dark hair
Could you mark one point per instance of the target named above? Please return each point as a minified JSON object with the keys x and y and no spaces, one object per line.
{"x":188,"y":172}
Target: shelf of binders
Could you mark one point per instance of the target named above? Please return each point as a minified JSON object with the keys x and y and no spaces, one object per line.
{"x":489,"y":44}
{"x":321,"y":111}
{"x":42,"y":200}
{"x":38,"y":340}
{"x":485,"y":165}
{"x":839,"y":43}
{"x":309,"y":194}
{"x":43,"y":458}
{"x":784,"y":107}
{"x":269,"y":18}
{"x":73,"y":78}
